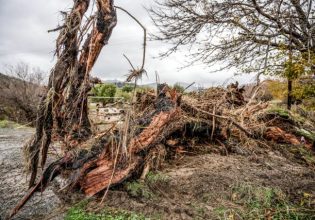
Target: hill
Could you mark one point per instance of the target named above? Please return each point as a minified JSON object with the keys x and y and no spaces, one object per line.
{"x":19,"y":98}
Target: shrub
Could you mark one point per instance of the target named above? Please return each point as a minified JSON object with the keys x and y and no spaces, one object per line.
{"x":127,"y":88}
{"x":178,"y":88}
{"x":303,"y":91}
{"x":4,"y":124}
{"x":278,"y":89}
{"x":104,"y":90}
{"x":21,"y":89}
{"x":139,"y":190}
{"x":125,"y":95}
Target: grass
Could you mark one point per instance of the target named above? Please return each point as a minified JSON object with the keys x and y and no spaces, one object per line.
{"x":9,"y":124}
{"x":139,"y":189}
{"x":304,"y":154}
{"x":79,"y":212}
{"x":294,"y":114}
{"x":308,"y":134}
{"x":4,"y":123}
{"x":199,"y":211}
{"x":252,"y":202}
{"x":279,"y":111}
{"x":145,"y":189}
{"x":156,"y":178}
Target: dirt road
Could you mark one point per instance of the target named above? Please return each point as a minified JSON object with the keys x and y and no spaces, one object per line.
{"x":13,"y":182}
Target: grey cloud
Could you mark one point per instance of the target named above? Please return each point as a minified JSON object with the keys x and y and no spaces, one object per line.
{"x":24,"y":37}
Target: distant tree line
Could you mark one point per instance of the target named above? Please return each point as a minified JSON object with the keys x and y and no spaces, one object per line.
{"x":21,"y":88}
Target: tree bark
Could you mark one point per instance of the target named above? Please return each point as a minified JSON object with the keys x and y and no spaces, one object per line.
{"x":289,"y":104}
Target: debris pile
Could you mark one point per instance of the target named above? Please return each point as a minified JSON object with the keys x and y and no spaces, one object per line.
{"x":164,"y":124}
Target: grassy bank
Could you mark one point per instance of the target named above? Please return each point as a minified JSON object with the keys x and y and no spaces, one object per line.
{"x":257,"y":202}
{"x":10,"y":124}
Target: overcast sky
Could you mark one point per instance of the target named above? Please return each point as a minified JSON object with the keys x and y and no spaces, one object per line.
{"x":24,"y":37}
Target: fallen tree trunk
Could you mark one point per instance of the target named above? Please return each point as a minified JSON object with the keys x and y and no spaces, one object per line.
{"x":105,"y":174}
{"x":104,"y":164}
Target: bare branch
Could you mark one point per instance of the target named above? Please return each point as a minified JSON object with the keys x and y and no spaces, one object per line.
{"x":235,"y":33}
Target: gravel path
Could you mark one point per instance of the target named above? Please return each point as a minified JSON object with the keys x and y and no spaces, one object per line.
{"x":13,"y":182}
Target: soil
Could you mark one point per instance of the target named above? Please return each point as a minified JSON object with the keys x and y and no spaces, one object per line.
{"x":197,"y":184}
{"x":200,"y":184}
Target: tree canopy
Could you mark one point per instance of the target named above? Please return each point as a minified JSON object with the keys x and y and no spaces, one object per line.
{"x":250,"y":35}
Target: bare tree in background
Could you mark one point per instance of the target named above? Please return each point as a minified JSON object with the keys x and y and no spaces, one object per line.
{"x":21,"y":90}
{"x":250,"y":35}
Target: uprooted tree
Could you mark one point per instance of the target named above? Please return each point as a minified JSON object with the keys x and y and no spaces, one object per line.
{"x":63,"y":112}
{"x":65,"y":104}
{"x":64,"y":107}
{"x":94,"y":162}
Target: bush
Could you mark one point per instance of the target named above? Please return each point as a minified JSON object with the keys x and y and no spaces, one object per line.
{"x":123,"y":94}
{"x":143,"y":89}
{"x":104,"y":90}
{"x":8,"y":124}
{"x":278,"y":89}
{"x":21,"y":89}
{"x":178,"y":88}
{"x":4,"y":124}
{"x":127,"y":88}
{"x":303,"y":91}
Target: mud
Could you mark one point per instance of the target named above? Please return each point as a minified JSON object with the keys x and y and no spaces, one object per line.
{"x":13,"y":181}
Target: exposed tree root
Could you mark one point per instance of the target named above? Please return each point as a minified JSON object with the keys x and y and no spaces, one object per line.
{"x":64,"y":107}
